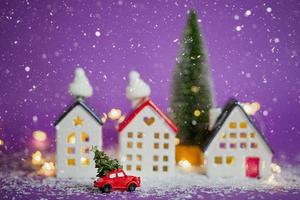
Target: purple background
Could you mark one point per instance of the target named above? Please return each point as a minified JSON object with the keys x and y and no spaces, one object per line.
{"x":259,"y":63}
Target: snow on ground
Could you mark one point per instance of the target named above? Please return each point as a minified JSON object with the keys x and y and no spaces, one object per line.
{"x":19,"y":183}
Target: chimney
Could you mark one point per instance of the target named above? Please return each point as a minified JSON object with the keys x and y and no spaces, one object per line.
{"x":213,"y":116}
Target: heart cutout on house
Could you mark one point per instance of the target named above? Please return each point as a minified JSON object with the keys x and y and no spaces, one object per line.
{"x":149,"y":120}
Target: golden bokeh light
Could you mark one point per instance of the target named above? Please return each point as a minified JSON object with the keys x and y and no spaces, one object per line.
{"x":39,"y":135}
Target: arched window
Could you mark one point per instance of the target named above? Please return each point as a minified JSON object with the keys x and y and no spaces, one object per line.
{"x":71,"y":138}
{"x":85,"y":137}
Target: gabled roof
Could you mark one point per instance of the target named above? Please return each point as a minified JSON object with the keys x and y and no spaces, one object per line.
{"x":140,"y":108}
{"x":81,"y":103}
{"x":231,"y":104}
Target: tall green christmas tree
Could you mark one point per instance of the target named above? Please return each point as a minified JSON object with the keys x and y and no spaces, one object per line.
{"x":103,"y":163}
{"x":192,"y":95}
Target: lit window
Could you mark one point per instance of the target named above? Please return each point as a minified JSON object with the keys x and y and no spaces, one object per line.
{"x":166,"y":145}
{"x":165,"y":158}
{"x":140,"y":135}
{"x":233,"y":145}
{"x":232,"y":135}
{"x":84,"y":150}
{"x":112,"y":176}
{"x":128,"y":167}
{"x":165,"y":168}
{"x":138,"y":157}
{"x":254,"y":145}
{"x":232,"y":125}
{"x":218,"y":160}
{"x":243,"y":135}
{"x":139,"y":145}
{"x":71,"y":150}
{"x":243,"y":125}
{"x":129,"y":144}
{"x":156,"y":135}
{"x":130,"y":134}
{"x":138,"y":168}
{"x":223,"y":135}
{"x":156,"y":145}
{"x":252,"y":135}
{"x":155,"y":158}
{"x":155,"y":168}
{"x":229,"y":160}
{"x":85,"y":161}
{"x":129,"y":157}
{"x":71,"y":162}
{"x":84,"y":137}
{"x":71,"y":138}
{"x":222,"y":145}
{"x":166,"y":135}
{"x":243,"y":145}
{"x":121,"y":174}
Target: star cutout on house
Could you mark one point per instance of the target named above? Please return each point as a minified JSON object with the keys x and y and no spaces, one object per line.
{"x":78,"y":121}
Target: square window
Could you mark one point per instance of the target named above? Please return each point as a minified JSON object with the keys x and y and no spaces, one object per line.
{"x":232,"y":125}
{"x":156,"y":135}
{"x":222,"y":145}
{"x":84,"y":150}
{"x":130,"y":134}
{"x":166,"y":146}
{"x":85,"y":137}
{"x":218,"y":160}
{"x":243,"y":125}
{"x":138,"y":157}
{"x":140,"y":135}
{"x":243,"y":145}
{"x":138,"y":168}
{"x":129,"y":157}
{"x":233,"y":145}
{"x":139,"y":145}
{"x":156,"y":145}
{"x":112,"y":176}
{"x":165,"y":158}
{"x":71,"y":162}
{"x":155,"y":158}
{"x":232,"y":135}
{"x":128,"y":167}
{"x":165,"y":168}
{"x":166,"y":135}
{"x":155,"y":168}
{"x":85,"y":161}
{"x":129,"y":144}
{"x":252,"y":135}
{"x":229,"y":160}
{"x":254,"y":145}
{"x":243,"y":135}
{"x":71,"y":150}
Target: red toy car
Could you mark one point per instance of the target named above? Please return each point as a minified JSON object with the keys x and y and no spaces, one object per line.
{"x":117,"y":179}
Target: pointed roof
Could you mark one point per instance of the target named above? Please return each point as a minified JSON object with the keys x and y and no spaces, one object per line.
{"x":140,"y":108}
{"x":81,"y":103}
{"x":231,"y":104}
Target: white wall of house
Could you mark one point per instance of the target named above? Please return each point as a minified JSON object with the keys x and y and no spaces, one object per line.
{"x":238,"y":166}
{"x":66,"y":127}
{"x":156,"y":156}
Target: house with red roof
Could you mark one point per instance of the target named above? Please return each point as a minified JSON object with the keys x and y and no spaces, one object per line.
{"x":146,"y":136}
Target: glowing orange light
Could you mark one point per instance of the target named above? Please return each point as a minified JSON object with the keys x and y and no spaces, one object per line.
{"x":39,"y":135}
{"x":37,"y":158}
{"x":48,"y":169}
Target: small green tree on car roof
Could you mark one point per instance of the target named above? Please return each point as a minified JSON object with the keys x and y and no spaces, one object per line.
{"x":103,"y":163}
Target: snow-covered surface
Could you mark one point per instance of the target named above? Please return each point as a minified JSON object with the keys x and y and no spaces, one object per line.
{"x":17,"y":182}
{"x":80,"y":87}
{"x":137,"y":88}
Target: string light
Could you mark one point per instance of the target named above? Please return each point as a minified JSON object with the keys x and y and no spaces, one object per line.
{"x":37,"y":158}
{"x":177,"y":141}
{"x":1,"y":142}
{"x":251,"y":108}
{"x":121,"y":119}
{"x":104,"y":118}
{"x":48,"y":169}
{"x":184,"y":164}
{"x":197,"y":113}
{"x":114,"y":114}
{"x":195,"y":89}
{"x":275,"y":168}
{"x":39,"y":135}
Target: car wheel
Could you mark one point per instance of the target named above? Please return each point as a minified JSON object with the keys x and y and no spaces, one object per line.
{"x":106,"y":188}
{"x":131,"y":187}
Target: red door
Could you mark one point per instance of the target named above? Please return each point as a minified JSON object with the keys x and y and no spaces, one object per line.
{"x":252,"y":167}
